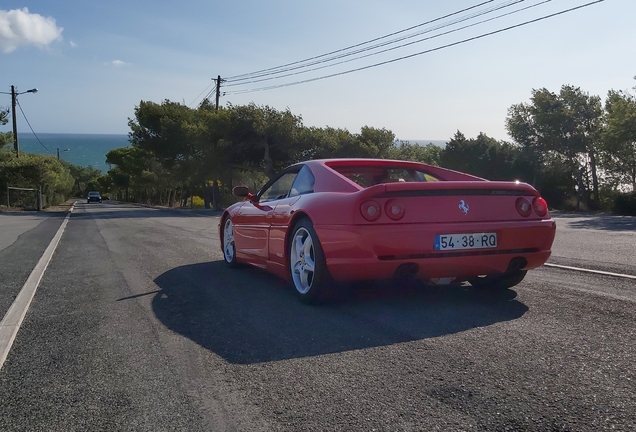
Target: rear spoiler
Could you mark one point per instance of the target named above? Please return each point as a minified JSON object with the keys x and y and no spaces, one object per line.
{"x":449,"y":188}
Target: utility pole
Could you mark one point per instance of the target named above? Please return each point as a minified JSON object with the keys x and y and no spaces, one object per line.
{"x":14,"y":101}
{"x":16,"y":147}
{"x":218,"y":89}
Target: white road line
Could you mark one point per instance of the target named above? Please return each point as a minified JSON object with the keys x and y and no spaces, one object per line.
{"x":599,"y":272}
{"x":12,"y":321}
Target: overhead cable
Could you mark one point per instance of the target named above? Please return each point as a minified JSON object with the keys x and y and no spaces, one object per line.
{"x":27,"y":120}
{"x":197,"y":98}
{"x":372,"y":47}
{"x":395,"y":47}
{"x":418,"y":53}
{"x":361,"y":43}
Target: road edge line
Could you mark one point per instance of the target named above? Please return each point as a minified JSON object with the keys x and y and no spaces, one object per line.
{"x":11,"y":322}
{"x":599,"y":272}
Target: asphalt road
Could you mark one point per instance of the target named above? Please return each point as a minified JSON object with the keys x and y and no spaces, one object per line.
{"x":138,"y":325}
{"x":23,"y":239}
{"x":596,"y":241}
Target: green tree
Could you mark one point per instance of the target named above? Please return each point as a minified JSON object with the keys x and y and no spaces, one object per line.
{"x":328,"y":142}
{"x":377,"y":143}
{"x":483,"y":156}
{"x":262,"y":138}
{"x":82,"y":176}
{"x":565,"y":125}
{"x":208,"y":132}
{"x":5,"y":137}
{"x":188,"y":145}
{"x":159,"y":129}
{"x":430,"y":153}
{"x":4,"y":116}
{"x":35,"y":171}
{"x":103,"y":183}
{"x":618,"y":152}
{"x":130,"y":162}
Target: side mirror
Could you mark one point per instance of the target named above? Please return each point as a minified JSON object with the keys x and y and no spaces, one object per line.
{"x":240,"y":191}
{"x":243,"y":192}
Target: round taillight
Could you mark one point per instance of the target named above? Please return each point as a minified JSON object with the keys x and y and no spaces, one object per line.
{"x":370,"y":210}
{"x":524,"y":208}
{"x":540,"y":206}
{"x":394,"y":209}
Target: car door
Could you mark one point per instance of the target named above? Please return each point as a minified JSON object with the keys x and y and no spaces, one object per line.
{"x":283,"y":212}
{"x":253,"y":220}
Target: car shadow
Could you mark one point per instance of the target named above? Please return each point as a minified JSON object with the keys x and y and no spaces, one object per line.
{"x":247,"y":316}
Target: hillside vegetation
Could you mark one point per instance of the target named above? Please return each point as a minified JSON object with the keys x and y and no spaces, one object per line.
{"x":579,"y":152}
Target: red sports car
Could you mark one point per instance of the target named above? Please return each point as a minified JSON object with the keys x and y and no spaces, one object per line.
{"x":342,"y":220}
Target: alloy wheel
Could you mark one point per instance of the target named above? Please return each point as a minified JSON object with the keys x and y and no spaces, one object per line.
{"x":228,"y":241}
{"x":303,"y":260}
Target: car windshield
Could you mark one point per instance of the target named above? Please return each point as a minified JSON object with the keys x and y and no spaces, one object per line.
{"x":370,"y":175}
{"x":93,"y":194}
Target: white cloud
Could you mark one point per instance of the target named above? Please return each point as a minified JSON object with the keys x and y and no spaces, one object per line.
{"x":117,"y":63}
{"x":18,"y":28}
{"x":73,"y":44}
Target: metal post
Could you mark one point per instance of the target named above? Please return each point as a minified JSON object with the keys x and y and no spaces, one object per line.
{"x":39,"y":203}
{"x":16,"y":147}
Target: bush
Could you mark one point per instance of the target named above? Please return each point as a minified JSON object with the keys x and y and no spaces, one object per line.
{"x":33,"y":171}
{"x":196,"y":202}
{"x":607,"y":197}
{"x":625,"y":204}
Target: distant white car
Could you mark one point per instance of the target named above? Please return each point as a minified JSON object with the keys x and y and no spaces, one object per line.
{"x":93,"y":196}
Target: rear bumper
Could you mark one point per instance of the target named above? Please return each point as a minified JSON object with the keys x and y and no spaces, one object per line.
{"x":376,"y":251}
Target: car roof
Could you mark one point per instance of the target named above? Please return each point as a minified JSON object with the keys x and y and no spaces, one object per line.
{"x":329,"y":180}
{"x":362,"y":161}
{"x":326,"y":174}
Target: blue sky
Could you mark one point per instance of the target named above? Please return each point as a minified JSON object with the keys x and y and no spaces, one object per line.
{"x":93,"y":62}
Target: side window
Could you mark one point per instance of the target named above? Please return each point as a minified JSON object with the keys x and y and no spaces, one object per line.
{"x":304,"y":183}
{"x":279,"y":189}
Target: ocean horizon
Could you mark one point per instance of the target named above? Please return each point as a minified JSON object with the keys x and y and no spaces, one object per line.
{"x":78,"y":149}
{"x":439,"y":143}
{"x":90,"y":149}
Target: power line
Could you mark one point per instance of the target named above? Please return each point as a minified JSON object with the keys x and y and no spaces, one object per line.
{"x":418,"y":53}
{"x":396,"y":47}
{"x":359,"y":44}
{"x":206,"y":89}
{"x":282,"y":69}
{"x":34,"y":134}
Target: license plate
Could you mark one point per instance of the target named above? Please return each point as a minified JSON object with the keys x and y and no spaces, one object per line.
{"x":465,"y":241}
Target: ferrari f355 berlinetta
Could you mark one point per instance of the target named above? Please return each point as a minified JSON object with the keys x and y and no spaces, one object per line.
{"x":321,"y":223}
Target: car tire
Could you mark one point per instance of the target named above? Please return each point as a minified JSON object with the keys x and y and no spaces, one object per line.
{"x":499,"y":282}
{"x":307,"y":264}
{"x":229,"y":247}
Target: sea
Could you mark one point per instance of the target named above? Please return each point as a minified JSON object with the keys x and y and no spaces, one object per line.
{"x":91,"y":149}
{"x":78,"y":149}
{"x":439,"y":143}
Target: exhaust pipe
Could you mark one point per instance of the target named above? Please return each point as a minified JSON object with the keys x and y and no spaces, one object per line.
{"x":516,"y":264}
{"x":406,"y":271}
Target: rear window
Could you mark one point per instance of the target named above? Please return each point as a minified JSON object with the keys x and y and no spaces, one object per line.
{"x":371,"y":175}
